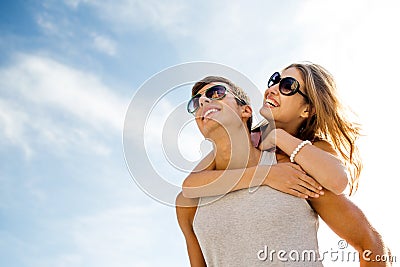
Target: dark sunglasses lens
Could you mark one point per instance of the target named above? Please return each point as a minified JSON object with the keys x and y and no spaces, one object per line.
{"x":193,"y":104}
{"x":288,"y":86}
{"x":275,"y":78}
{"x":216,"y":92}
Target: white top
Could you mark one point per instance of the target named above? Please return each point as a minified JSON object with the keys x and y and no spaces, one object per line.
{"x":261,"y":228}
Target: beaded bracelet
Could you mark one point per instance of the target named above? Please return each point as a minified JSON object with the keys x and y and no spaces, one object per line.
{"x":300,"y":146}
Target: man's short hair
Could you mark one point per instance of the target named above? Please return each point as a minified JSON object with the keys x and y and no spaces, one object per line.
{"x":236,"y":90}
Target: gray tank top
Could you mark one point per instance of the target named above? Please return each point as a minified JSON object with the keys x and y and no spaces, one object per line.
{"x":261,"y":228}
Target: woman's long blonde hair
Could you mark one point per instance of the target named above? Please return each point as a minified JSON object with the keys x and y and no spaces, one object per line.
{"x":329,"y":121}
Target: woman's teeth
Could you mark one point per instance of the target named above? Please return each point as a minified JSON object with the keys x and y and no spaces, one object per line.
{"x":271,"y":103}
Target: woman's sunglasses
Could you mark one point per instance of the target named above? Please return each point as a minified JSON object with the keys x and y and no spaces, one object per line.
{"x":287,"y":86}
{"x":215,"y":92}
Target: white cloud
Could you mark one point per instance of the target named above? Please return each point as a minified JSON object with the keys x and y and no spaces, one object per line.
{"x":12,"y":121}
{"x":62,"y":106}
{"x":243,"y":36}
{"x":116,"y":233}
{"x":121,"y":236}
{"x":104,"y":44}
{"x":126,"y":14}
{"x":46,"y":24}
{"x":72,"y":3}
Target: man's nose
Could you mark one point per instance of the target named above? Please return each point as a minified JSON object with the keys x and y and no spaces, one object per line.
{"x":203,"y":99}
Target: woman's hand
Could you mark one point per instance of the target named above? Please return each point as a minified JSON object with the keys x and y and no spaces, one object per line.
{"x":291,"y":179}
{"x":268,"y":142}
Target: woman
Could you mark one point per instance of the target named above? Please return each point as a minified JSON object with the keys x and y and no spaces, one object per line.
{"x":303,"y":104}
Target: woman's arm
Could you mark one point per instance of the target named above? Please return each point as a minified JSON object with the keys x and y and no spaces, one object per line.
{"x":325,"y":168}
{"x":185,"y":211}
{"x":217,"y":182}
{"x":350,"y":223}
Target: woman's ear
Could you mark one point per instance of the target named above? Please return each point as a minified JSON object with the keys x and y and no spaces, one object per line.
{"x":308,"y":111}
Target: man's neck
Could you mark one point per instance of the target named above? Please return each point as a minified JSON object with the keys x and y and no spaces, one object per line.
{"x":235,"y":151}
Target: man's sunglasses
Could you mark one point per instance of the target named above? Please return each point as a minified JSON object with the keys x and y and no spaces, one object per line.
{"x":287,"y":86}
{"x":215,"y":92}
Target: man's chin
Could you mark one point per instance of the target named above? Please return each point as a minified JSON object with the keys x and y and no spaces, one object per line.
{"x":210,"y":127}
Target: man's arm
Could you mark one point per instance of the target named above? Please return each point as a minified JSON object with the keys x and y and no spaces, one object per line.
{"x":185,"y":211}
{"x":350,"y":223}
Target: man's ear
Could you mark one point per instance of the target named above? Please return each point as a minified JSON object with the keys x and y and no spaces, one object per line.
{"x":247,"y":111}
{"x":308,"y":111}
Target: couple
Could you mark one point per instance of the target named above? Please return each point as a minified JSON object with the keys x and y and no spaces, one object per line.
{"x":316,"y":157}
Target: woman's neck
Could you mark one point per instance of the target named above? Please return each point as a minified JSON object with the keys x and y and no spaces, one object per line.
{"x":288,"y":127}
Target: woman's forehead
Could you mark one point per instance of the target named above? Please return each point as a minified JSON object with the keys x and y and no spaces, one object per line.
{"x":294,"y":73}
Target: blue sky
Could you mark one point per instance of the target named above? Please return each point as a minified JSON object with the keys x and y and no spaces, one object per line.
{"x":69,"y":69}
